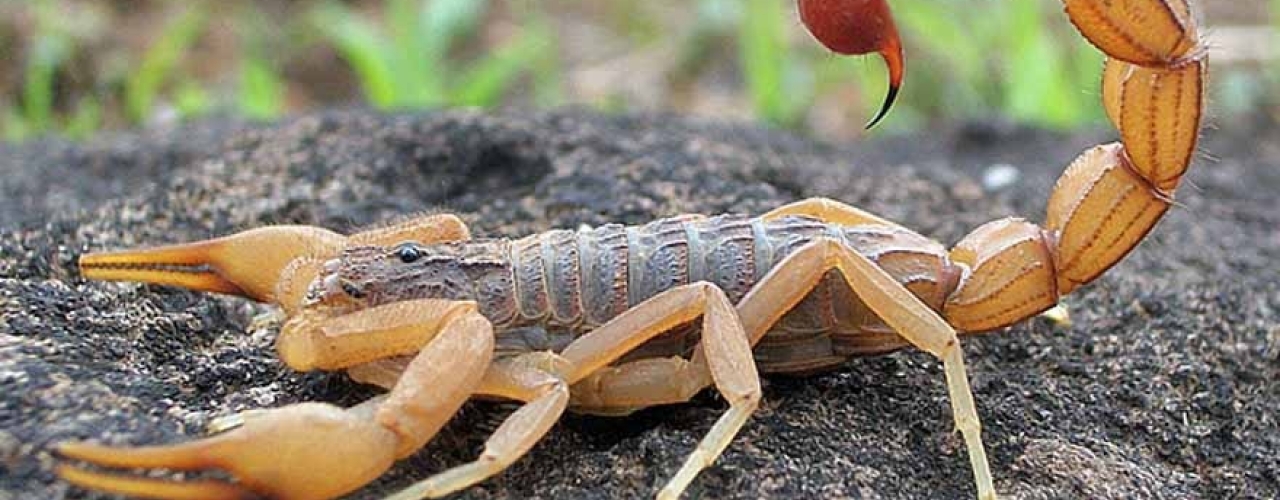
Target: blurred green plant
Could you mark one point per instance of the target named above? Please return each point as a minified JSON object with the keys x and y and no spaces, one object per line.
{"x":49,"y":50}
{"x":51,"y":47}
{"x":411,"y":66}
{"x":158,"y":67}
{"x":979,"y":59}
{"x":261,"y":94}
{"x":261,"y":91}
{"x":1247,"y":88}
{"x":1274,"y":69}
{"x":770,"y":77}
{"x":1022,"y":60}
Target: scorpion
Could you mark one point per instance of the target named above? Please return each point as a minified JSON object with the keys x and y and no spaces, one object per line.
{"x":614,"y":318}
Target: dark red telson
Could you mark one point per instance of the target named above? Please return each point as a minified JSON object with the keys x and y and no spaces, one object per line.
{"x":857,"y":27}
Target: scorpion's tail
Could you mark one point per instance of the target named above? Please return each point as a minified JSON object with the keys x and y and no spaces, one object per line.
{"x":1112,"y":195}
{"x":857,"y":27}
{"x":247,"y":263}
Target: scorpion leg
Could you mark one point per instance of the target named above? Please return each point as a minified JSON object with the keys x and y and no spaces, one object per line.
{"x":724,"y":359}
{"x":797,"y":274}
{"x":531,"y":378}
{"x":830,"y":211}
{"x":622,"y":389}
{"x":423,"y":229}
{"x":315,"y":450}
{"x":724,"y":352}
{"x":313,"y":341}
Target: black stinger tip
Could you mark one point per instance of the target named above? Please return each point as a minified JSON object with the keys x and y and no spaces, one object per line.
{"x":884,"y":110}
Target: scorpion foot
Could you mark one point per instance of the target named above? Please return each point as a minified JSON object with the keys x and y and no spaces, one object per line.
{"x":304,"y":451}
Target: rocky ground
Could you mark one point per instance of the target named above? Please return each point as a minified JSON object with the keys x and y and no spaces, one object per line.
{"x":1164,"y":387}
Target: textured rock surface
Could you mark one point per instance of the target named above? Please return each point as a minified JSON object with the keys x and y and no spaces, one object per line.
{"x":1165,"y":387}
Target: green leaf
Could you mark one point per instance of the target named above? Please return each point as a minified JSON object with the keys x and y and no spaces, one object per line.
{"x":446,"y":22}
{"x":544,"y":63}
{"x":363,"y":48}
{"x":488,"y":80}
{"x":159,"y":61}
{"x":441,"y":25}
{"x":1032,"y":70}
{"x":762,"y":51}
{"x":50,"y":48}
{"x":416,"y":84}
{"x":191,"y":100}
{"x":946,"y":56}
{"x":13,"y":127}
{"x":86,"y":119}
{"x":262,"y":92}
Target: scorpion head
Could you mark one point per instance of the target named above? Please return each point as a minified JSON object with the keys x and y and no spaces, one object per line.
{"x":367,"y":276}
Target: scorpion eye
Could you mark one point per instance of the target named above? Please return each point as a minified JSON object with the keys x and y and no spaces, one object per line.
{"x":408,"y":253}
{"x":351,"y":289}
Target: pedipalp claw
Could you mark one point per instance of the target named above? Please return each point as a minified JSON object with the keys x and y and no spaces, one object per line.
{"x":858,"y":27}
{"x":160,"y":489}
{"x":247,"y":263}
{"x":304,"y":451}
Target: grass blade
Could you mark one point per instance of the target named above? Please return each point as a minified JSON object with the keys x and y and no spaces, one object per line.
{"x":262,"y":92}
{"x":13,"y":127}
{"x":85,"y":120}
{"x":446,"y":22}
{"x":363,"y":48}
{"x":442,"y":24}
{"x":190,"y":99}
{"x":416,"y":83}
{"x":158,"y":62}
{"x":50,"y":49}
{"x":762,"y":51}
{"x":488,"y":80}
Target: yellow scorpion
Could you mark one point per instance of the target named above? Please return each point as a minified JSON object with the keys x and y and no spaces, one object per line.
{"x":632,"y":317}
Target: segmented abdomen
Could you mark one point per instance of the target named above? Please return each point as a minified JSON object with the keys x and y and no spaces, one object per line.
{"x":574,"y":281}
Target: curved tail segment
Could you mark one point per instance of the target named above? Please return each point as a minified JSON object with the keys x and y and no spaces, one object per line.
{"x":858,"y":27}
{"x":1112,"y":195}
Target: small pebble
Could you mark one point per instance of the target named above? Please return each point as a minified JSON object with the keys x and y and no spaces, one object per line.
{"x":999,"y":176}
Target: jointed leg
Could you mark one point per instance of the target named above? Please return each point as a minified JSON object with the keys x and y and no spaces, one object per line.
{"x":724,"y":358}
{"x":313,"y":450}
{"x":312,"y":340}
{"x":793,"y":278}
{"x":534,"y":378}
{"x":425,"y":229}
{"x":724,"y":352}
{"x":622,"y":389}
{"x":828,"y":210}
{"x":521,"y":379}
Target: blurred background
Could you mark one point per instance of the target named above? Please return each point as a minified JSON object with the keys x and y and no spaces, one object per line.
{"x":80,"y":67}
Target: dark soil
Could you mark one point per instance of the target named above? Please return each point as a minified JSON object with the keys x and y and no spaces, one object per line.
{"x":1165,"y":387}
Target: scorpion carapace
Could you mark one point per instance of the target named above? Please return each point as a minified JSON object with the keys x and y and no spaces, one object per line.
{"x":616,"y":318}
